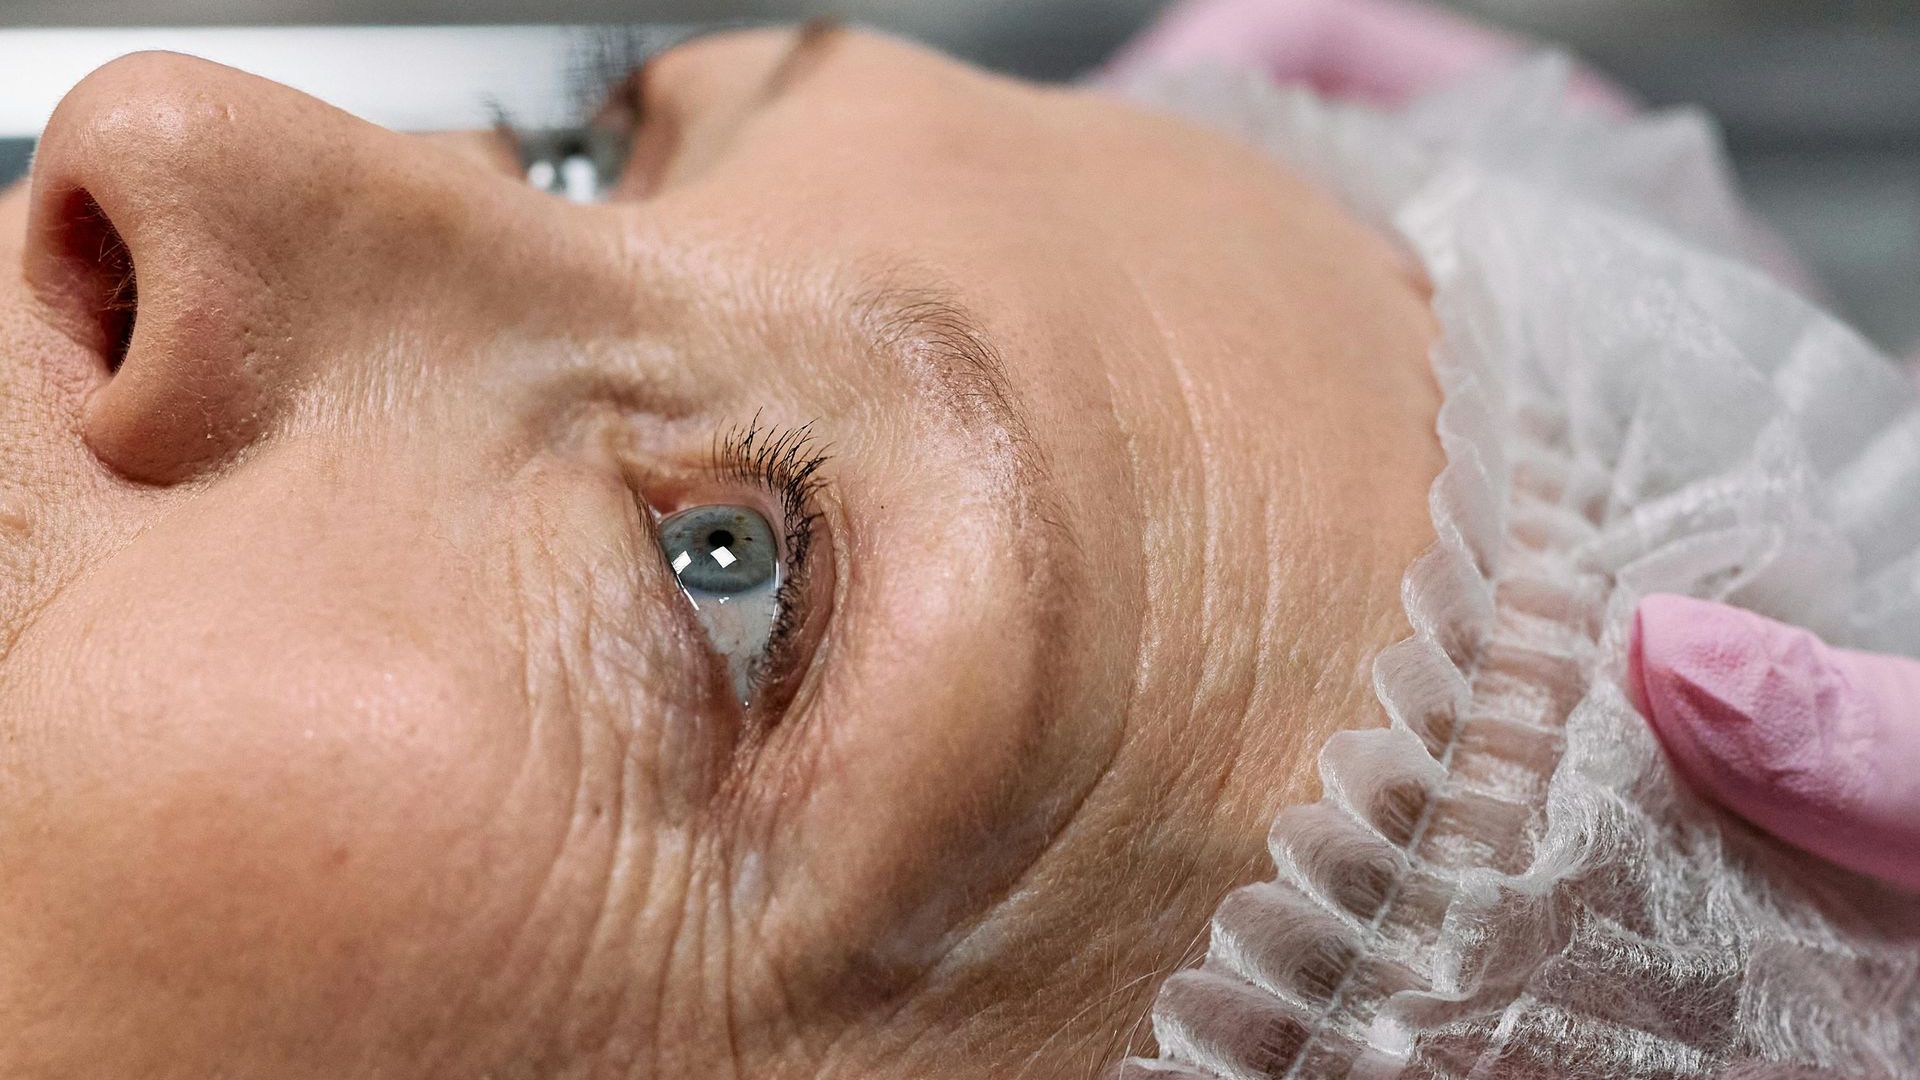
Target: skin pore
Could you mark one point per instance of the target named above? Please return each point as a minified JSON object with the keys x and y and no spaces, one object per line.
{"x":352,"y":725}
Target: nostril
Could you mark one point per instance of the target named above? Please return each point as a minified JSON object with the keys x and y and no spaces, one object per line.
{"x":106,"y":278}
{"x":171,"y":218}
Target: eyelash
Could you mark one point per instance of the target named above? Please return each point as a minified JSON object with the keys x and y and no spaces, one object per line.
{"x":785,"y":462}
{"x":604,"y":104}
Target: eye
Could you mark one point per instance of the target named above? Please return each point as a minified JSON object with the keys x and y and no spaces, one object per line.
{"x":728,"y":565}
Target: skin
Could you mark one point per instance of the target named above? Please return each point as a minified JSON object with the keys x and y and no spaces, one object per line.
{"x":351,"y":724}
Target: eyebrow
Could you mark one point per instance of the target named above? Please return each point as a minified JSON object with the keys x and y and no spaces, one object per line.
{"x":944,"y":348}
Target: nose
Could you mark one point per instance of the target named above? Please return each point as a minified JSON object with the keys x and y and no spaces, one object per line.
{"x":202,"y":231}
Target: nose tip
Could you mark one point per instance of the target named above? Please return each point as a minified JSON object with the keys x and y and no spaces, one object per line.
{"x":146,"y":228}
{"x":197,"y":227}
{"x":229,"y":248}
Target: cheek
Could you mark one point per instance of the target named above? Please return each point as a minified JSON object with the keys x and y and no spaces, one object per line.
{"x":278,"y":817}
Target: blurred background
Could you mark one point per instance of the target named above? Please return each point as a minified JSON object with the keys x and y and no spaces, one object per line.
{"x":1820,"y":99}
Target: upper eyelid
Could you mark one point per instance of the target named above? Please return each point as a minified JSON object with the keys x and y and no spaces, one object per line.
{"x":610,"y":106}
{"x":786,"y":462}
{"x":613,"y":73}
{"x":609,"y":63}
{"x":625,"y":83}
{"x":605,"y":114}
{"x":613,"y":56}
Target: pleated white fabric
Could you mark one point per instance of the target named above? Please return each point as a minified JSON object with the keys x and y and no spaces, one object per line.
{"x":1506,"y":880}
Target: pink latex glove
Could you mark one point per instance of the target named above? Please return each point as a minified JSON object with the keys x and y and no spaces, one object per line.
{"x":1817,"y":745}
{"x":1380,"y":51}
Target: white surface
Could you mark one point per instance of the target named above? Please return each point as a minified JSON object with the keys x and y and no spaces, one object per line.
{"x":410,"y":78}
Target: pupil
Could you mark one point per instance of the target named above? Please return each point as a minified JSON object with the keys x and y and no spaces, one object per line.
{"x":719,"y":538}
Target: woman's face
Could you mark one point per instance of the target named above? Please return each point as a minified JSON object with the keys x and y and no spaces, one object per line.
{"x":352,"y":720}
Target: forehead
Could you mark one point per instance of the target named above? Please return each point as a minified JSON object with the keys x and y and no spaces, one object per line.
{"x":1046,"y":202}
{"x":866,"y":128}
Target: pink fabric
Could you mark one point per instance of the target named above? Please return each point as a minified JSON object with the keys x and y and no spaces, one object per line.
{"x":1817,"y":745}
{"x":1382,"y":51}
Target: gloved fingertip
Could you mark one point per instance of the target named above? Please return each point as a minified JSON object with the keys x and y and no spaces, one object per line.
{"x":1731,"y":693}
{"x":1686,"y":657}
{"x":1784,"y":730}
